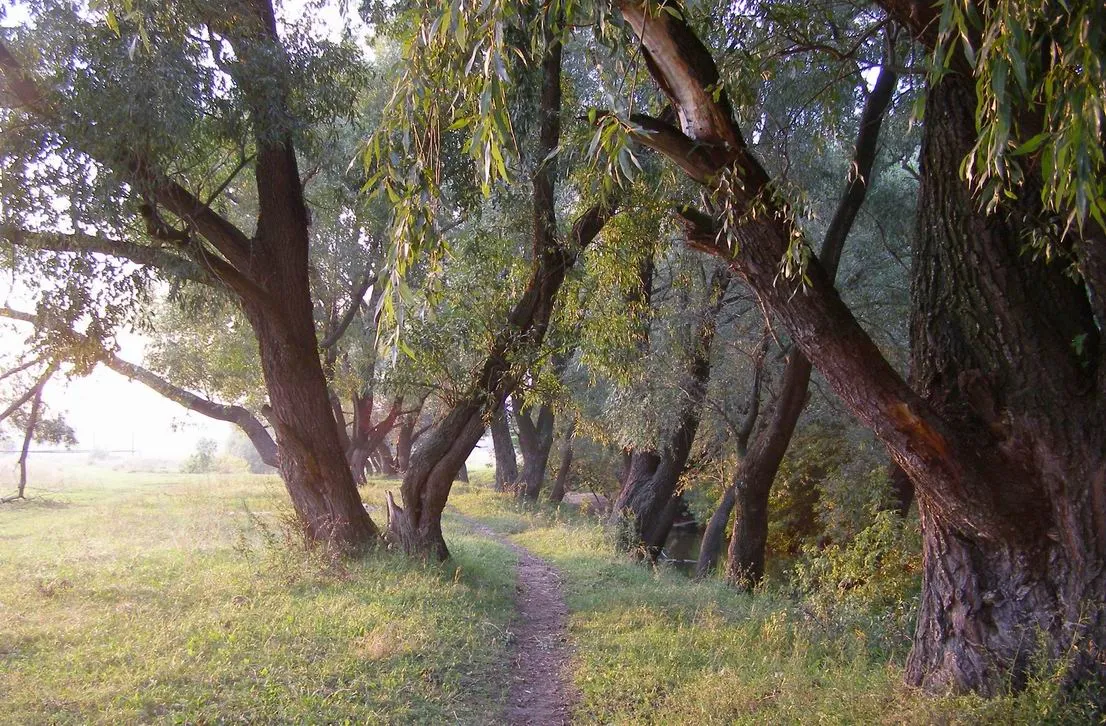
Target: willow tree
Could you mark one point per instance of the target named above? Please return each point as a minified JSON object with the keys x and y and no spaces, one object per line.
{"x":459,"y":78}
{"x":1003,"y":439}
{"x":128,"y":129}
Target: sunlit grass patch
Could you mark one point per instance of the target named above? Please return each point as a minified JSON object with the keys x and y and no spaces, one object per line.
{"x":654,"y":647}
{"x":147,"y":602}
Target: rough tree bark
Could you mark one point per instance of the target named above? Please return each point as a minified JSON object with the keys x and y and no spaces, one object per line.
{"x":1006,"y":456}
{"x":642,"y":516}
{"x":991,"y":339}
{"x":416,"y":527}
{"x":506,"y":464}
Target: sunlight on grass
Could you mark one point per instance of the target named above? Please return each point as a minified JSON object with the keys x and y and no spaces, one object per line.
{"x":654,"y":647}
{"x":146,"y":598}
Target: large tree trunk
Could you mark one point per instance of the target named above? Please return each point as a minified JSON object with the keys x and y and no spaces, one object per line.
{"x":639,"y":514}
{"x":506,"y":465}
{"x":1005,"y":443}
{"x":992,"y":336}
{"x":266,"y":273}
{"x":535,"y":441}
{"x":311,"y":459}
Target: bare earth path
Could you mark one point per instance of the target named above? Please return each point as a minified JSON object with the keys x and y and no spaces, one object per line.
{"x":541,"y":692}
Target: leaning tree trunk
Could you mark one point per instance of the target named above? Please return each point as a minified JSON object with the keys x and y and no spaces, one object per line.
{"x":753,"y":481}
{"x":992,"y":350}
{"x":639,"y":517}
{"x":426,"y":485}
{"x":506,"y":465}
{"x":1004,"y":445}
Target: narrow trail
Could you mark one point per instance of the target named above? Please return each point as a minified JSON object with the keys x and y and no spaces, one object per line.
{"x":541,"y":692}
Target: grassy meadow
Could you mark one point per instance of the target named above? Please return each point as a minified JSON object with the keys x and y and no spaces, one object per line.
{"x":160,"y":597}
{"x":129,"y":597}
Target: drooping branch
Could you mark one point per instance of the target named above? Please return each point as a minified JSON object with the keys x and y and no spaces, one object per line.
{"x":241,"y":417}
{"x":237,"y":415}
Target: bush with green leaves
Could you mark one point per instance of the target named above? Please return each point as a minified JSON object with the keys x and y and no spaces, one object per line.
{"x":869,"y":584}
{"x":203,"y":460}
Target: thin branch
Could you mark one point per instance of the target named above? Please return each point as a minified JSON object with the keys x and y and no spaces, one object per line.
{"x":159,"y":258}
{"x":368,"y":279}
{"x":18,"y":403}
{"x":22,"y":367}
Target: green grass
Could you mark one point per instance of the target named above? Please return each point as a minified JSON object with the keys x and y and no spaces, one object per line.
{"x":136,"y":598}
{"x":174,"y":598}
{"x":653,"y":647}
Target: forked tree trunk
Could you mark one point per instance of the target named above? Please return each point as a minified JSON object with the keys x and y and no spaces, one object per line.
{"x":560,"y":485}
{"x":753,"y":482}
{"x":506,"y":465}
{"x":714,"y":534}
{"x":639,"y":514}
{"x":535,"y":441}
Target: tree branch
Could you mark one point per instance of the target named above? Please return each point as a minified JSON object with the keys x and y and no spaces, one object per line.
{"x":159,"y":258}
{"x":237,"y":415}
{"x":21,"y":367}
{"x":368,"y":279}
{"x":227,"y":239}
{"x":18,"y":403}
